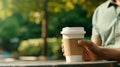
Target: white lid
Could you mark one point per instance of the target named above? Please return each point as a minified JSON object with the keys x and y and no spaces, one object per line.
{"x":73,"y":30}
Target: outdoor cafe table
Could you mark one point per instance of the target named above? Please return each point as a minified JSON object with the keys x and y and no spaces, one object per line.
{"x":58,"y":63}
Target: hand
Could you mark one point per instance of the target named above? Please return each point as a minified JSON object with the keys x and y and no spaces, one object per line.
{"x":62,"y":46}
{"x":63,"y":49}
{"x":90,"y":50}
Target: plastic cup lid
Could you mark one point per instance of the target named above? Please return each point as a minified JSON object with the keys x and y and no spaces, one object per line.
{"x":73,"y":30}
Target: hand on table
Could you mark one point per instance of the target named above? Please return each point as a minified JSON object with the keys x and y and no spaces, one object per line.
{"x":90,"y":50}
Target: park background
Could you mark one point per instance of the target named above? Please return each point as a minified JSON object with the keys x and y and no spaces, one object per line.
{"x":21,"y":25}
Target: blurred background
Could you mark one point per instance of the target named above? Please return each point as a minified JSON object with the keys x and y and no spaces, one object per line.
{"x":32,"y":27}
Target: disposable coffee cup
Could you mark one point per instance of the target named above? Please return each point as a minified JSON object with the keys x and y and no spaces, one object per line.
{"x":70,"y":37}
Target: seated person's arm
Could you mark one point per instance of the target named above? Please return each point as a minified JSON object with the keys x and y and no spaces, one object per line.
{"x":101,"y":51}
{"x":107,"y":53}
{"x":97,"y":41}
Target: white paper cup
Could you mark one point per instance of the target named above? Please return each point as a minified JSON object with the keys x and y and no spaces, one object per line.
{"x":70,"y":37}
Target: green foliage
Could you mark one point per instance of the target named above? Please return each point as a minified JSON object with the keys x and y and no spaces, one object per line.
{"x":15,"y":19}
{"x":32,"y":47}
{"x":90,"y":5}
{"x":9,"y":28}
{"x":54,"y":6}
{"x":30,"y":30}
{"x":72,"y":18}
{"x":30,"y":50}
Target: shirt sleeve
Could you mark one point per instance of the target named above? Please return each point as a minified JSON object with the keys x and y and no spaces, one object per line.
{"x":95,"y":33}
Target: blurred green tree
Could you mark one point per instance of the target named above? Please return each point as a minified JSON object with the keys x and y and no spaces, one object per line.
{"x":89,"y":5}
{"x":9,"y":29}
{"x":72,"y":18}
{"x":28,"y":14}
{"x":30,"y":6}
